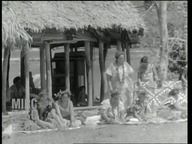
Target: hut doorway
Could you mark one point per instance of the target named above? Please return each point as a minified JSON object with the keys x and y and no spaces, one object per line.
{"x":77,"y":73}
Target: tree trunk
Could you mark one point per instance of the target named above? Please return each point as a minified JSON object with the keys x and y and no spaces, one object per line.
{"x":162,"y":14}
{"x":4,"y":78}
{"x":186,"y":35}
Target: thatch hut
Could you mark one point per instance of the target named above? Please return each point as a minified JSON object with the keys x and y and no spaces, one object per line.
{"x":71,"y":24}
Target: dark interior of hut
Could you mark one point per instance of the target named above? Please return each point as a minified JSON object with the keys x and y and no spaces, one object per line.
{"x":77,"y":73}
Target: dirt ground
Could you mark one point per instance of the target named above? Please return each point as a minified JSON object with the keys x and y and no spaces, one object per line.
{"x":151,"y":133}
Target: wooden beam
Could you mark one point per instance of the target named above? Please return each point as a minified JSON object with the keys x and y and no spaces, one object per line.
{"x":67,"y":66}
{"x":26,"y":69}
{"x":48,"y":67}
{"x":119,"y":47}
{"x":52,"y":36}
{"x":42,"y":67}
{"x":85,"y":35}
{"x":63,"y":42}
{"x":102,"y":69}
{"x":4,"y":78}
{"x":89,"y":77}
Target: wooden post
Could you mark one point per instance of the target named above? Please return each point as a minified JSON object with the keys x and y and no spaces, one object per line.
{"x":26,"y":69}
{"x":4,"y":78}
{"x":89,"y":77}
{"x":67,"y":66}
{"x":42,"y":67}
{"x":92,"y":71}
{"x":102,"y":69}
{"x":128,"y":46}
{"x":48,"y":67}
{"x":8,"y":69}
{"x":106,"y":46}
{"x":119,"y":47}
{"x":22,"y":71}
{"x":75,"y":48}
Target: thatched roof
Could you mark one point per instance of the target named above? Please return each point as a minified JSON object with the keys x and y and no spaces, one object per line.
{"x":11,"y":30}
{"x":36,"y":16}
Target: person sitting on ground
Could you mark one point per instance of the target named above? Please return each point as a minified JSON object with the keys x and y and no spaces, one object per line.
{"x":138,"y":109}
{"x":44,"y":113}
{"x":15,"y":91}
{"x":112,"y":109}
{"x":64,"y":107}
{"x":82,"y":97}
{"x":172,"y":109}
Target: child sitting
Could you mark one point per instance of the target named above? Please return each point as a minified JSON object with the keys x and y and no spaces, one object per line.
{"x":112,"y":109}
{"x":138,"y":109}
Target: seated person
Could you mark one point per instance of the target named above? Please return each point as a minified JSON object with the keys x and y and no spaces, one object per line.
{"x":172,"y":109}
{"x":112,"y":109}
{"x":82,"y":97}
{"x":15,"y":91}
{"x":44,"y":114}
{"x":64,"y":107}
{"x":138,"y":109}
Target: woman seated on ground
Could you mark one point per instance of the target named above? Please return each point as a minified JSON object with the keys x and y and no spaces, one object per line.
{"x":138,"y":109}
{"x":172,"y":109}
{"x":64,"y":107}
{"x":44,"y":113}
{"x":112,"y":109}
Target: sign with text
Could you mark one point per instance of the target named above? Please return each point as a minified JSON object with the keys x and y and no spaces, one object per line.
{"x":19,"y":103}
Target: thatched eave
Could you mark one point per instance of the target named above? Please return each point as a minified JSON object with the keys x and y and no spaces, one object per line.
{"x":39,"y":16}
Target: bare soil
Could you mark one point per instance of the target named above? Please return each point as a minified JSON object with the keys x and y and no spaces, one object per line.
{"x":150,"y":133}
